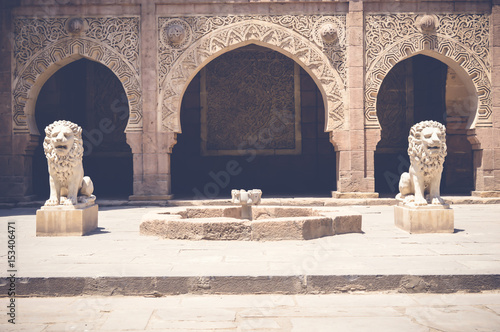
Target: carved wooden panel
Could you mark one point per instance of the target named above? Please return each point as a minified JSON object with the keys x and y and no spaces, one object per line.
{"x":392,"y":109}
{"x":250,"y":100}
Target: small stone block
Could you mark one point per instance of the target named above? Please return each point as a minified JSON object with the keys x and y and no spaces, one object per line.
{"x":424,"y":219}
{"x":66,"y":221}
{"x":347,"y":224}
{"x":294,"y":228}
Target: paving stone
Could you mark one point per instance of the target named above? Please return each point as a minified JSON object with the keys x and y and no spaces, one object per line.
{"x":455,"y":318}
{"x":358,"y":324}
{"x":134,"y":318}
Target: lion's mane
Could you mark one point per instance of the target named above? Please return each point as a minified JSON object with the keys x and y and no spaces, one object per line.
{"x":63,"y":166}
{"x":418,"y":155}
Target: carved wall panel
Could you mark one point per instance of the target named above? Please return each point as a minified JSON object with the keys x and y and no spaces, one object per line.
{"x":463,"y":38}
{"x":392,"y":109}
{"x":43,"y":42}
{"x":186,"y":44}
{"x":250,"y":99}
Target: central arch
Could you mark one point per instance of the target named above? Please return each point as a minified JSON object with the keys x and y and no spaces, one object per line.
{"x":307,"y":54}
{"x":253,"y":117}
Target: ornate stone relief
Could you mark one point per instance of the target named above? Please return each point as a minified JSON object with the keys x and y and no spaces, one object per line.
{"x":187,"y":43}
{"x":43,"y":42}
{"x":463,"y":38}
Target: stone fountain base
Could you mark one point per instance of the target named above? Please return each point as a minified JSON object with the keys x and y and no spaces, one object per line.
{"x":268,"y":224}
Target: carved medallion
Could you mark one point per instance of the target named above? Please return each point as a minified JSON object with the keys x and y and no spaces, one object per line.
{"x":176,"y":33}
{"x":329,"y":33}
{"x":427,"y":23}
{"x":75,"y":25}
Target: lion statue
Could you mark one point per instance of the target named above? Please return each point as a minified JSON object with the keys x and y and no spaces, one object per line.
{"x":427,"y":150}
{"x":63,"y":148}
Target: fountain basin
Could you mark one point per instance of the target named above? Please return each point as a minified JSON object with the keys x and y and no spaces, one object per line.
{"x":268,"y":224}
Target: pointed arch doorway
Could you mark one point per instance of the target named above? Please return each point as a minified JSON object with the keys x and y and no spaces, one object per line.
{"x":252,"y":118}
{"x":89,"y":94}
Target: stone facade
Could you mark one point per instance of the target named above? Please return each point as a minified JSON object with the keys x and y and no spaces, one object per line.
{"x":156,"y":48}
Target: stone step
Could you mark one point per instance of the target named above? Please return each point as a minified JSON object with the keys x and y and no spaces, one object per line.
{"x":225,"y":285}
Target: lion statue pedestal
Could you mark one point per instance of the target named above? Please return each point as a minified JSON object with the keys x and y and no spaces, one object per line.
{"x":420,"y":207}
{"x":71,"y":208}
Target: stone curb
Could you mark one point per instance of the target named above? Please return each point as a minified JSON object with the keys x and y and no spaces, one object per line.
{"x":268,"y":201}
{"x":226,"y":285}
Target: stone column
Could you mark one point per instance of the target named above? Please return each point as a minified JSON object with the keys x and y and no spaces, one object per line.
{"x":485,"y":143}
{"x":151,"y":149}
{"x":355,"y":147}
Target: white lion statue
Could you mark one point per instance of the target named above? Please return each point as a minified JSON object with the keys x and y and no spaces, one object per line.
{"x":63,"y":148}
{"x":427,"y":150}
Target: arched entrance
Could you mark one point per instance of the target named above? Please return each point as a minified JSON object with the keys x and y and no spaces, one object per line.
{"x":416,"y":89}
{"x":89,"y":94}
{"x":252,"y":118}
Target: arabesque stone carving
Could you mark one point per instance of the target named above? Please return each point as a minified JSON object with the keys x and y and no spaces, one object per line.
{"x":40,"y":43}
{"x":63,"y":148}
{"x":464,"y":38}
{"x":427,"y":150}
{"x":298,"y":36}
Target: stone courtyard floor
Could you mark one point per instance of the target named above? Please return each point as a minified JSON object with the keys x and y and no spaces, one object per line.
{"x":383,"y":279}
{"x":332,"y":312}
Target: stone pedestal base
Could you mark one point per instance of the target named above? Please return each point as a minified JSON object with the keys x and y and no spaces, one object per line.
{"x":424,"y":219}
{"x":484,"y":194}
{"x":66,"y":220}
{"x":354,"y":194}
{"x":150,"y":197}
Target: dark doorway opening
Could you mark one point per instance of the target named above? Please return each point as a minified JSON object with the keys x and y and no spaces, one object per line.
{"x":417,"y":89}
{"x":90,"y":95}
{"x":200,"y":172}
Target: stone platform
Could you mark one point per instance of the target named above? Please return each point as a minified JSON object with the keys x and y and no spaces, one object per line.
{"x":269,"y":223}
{"x":64,"y":220}
{"x":116,"y":260}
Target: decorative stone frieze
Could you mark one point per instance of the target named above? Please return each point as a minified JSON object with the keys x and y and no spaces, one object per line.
{"x":300,"y":37}
{"x":40,"y":43}
{"x":464,"y":38}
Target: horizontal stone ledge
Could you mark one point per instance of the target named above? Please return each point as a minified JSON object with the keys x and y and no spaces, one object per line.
{"x":298,"y":201}
{"x":226,"y":285}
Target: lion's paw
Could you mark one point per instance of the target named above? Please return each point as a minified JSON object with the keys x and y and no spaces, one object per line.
{"x":70,"y":201}
{"x":51,"y":202}
{"x":437,"y":201}
{"x":420,"y":202}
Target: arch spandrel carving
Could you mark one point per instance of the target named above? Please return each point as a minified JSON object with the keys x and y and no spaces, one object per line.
{"x":42,"y":45}
{"x":458,"y":39}
{"x":197,"y":40}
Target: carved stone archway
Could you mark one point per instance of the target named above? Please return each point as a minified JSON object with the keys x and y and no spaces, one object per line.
{"x":459,"y":40}
{"x":43,"y":45}
{"x":188,"y":44}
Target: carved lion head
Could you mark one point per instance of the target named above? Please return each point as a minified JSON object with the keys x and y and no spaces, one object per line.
{"x":427,"y":143}
{"x":63,"y":140}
